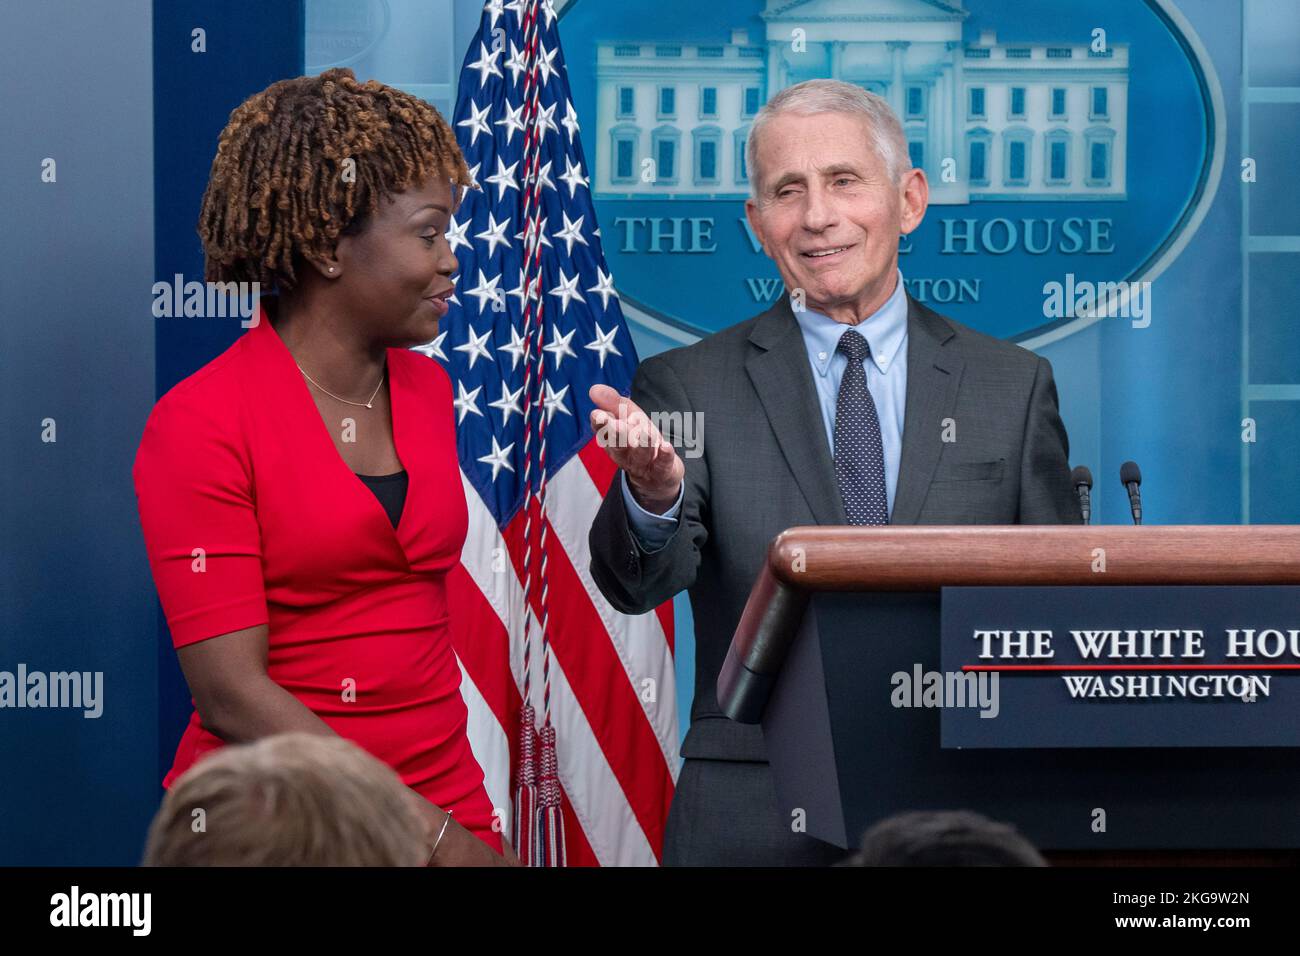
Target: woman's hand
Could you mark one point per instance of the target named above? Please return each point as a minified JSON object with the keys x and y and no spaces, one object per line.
{"x":458,"y":846}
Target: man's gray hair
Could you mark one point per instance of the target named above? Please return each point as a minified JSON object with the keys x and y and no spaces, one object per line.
{"x":885,"y":132}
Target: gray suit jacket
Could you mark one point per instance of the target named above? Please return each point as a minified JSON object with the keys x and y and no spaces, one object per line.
{"x":766,"y":466}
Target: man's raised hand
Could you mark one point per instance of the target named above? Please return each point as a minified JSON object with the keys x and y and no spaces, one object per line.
{"x":654,"y":469}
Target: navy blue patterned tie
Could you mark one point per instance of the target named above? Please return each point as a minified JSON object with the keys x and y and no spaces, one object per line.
{"x":859,"y":451}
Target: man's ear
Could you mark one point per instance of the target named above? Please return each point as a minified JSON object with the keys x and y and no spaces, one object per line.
{"x":915,"y":200}
{"x":755,"y":224}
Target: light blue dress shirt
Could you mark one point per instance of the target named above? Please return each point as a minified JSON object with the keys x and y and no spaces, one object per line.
{"x":886,"y":333}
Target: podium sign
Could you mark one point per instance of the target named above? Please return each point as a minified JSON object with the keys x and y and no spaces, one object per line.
{"x":1114,"y":667}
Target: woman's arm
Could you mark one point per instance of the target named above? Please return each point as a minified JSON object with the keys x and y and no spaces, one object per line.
{"x":235,"y":698}
{"x":238,"y":701}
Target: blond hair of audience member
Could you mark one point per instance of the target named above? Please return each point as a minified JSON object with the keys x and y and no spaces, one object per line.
{"x":289,"y":800}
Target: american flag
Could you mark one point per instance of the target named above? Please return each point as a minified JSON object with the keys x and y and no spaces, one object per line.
{"x":534,"y":323}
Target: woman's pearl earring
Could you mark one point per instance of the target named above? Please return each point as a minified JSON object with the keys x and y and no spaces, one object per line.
{"x":331,"y":268}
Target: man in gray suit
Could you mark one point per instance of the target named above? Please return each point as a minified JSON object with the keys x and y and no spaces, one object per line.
{"x":847,"y":402}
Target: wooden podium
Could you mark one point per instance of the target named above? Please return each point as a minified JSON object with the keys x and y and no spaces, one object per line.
{"x":834,"y":608}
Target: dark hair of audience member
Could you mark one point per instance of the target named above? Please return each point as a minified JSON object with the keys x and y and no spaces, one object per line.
{"x":944,"y":838}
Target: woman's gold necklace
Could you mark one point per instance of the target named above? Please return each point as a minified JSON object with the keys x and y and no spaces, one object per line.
{"x":368,"y":404}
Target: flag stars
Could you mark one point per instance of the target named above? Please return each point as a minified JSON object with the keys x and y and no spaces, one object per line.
{"x":570,"y":121}
{"x":554,"y":402}
{"x":466,"y":402}
{"x":512,"y":121}
{"x":477,"y":122}
{"x":573,"y":177}
{"x":546,"y":119}
{"x":476,"y":347}
{"x":516,"y":64}
{"x":433,"y":349}
{"x":456,"y":234}
{"x":559,"y":346}
{"x":504,"y":178}
{"x":507,"y":404}
{"x":546,"y":67}
{"x":603,"y":344}
{"x":604,"y":287}
{"x":567,"y":290}
{"x":486,"y":64}
{"x":544,"y":174}
{"x":503,"y":262}
{"x":494,"y":234}
{"x":498,"y":458}
{"x":529,"y":235}
{"x":485,"y":290}
{"x":571,"y":233}
{"x":520,"y":293}
{"x":516,"y":346}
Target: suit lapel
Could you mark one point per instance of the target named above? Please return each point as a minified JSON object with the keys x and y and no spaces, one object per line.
{"x":933,"y":375}
{"x":783,"y":379}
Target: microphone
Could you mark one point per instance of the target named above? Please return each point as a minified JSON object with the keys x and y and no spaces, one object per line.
{"x":1130,"y":477}
{"x":1082,"y":479}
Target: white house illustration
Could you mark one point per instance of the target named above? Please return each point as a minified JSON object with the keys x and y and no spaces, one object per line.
{"x":1033,"y":121}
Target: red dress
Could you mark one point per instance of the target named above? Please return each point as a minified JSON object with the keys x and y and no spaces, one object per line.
{"x":237,"y":461}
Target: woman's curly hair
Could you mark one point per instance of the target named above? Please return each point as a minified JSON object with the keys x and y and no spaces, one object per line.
{"x":276,"y":190}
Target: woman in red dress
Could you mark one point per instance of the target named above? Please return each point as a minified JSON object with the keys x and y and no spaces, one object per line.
{"x":300,"y":494}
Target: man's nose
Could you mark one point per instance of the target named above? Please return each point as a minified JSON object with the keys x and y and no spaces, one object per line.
{"x":818,"y":211}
